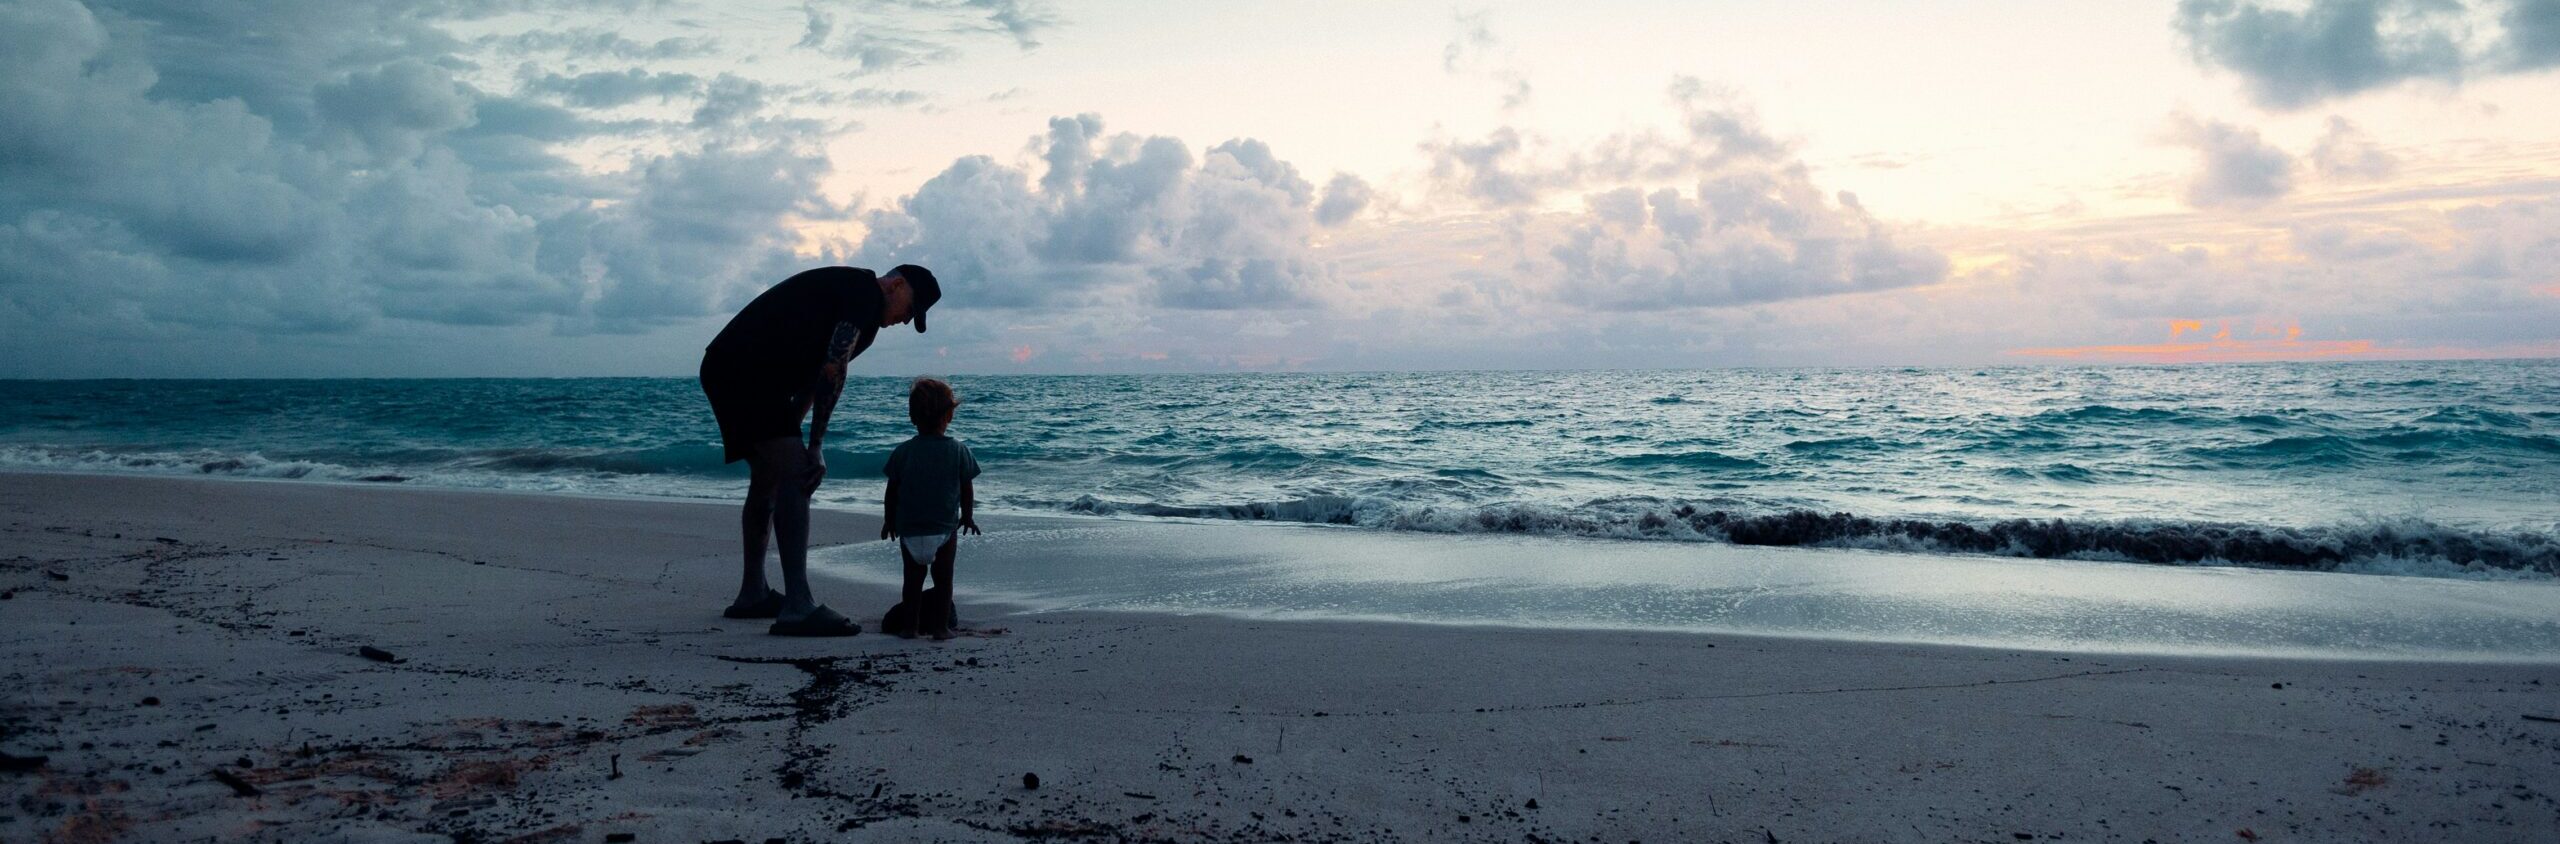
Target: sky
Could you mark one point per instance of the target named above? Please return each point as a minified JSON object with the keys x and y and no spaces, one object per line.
{"x":363,"y":188}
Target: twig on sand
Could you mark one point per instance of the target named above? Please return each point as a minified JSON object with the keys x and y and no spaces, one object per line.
{"x":238,"y":786}
{"x":2543,"y":718}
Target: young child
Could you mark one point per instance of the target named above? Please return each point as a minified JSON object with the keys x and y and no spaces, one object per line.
{"x":931,"y":499}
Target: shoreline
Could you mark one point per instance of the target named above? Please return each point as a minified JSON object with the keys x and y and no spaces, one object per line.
{"x":832,"y":563}
{"x":2426,"y":569}
{"x":540,"y":637}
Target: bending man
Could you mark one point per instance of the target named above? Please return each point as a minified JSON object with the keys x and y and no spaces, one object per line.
{"x":782,"y":357}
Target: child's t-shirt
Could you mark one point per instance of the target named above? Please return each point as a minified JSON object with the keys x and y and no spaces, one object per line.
{"x":929,"y":471}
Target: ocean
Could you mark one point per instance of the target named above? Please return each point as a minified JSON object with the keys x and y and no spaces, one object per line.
{"x":2434,"y":468}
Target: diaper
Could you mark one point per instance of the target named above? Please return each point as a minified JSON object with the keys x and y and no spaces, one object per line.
{"x":922,"y":548}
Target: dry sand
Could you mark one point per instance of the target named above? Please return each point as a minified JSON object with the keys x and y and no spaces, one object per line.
{"x":164,"y":635}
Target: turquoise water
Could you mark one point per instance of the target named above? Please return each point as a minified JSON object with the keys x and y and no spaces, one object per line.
{"x":2442,"y":467}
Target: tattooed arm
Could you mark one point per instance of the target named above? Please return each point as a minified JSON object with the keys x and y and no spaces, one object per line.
{"x":848,"y":341}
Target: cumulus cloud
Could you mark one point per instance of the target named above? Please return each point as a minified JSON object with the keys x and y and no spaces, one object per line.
{"x":1510,"y":168}
{"x":2291,"y":56}
{"x":1112,"y":215}
{"x":2235,"y":167}
{"x":1736,"y":239}
{"x":694,"y":222}
{"x":1716,"y":213}
{"x":729,"y":99}
{"x":1344,"y":198}
{"x":2345,"y":151}
{"x":1494,"y":171}
{"x":339,"y":175}
{"x":392,"y":110}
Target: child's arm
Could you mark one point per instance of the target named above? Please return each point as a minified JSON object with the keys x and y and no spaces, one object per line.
{"x":889,"y":507}
{"x":969,"y":506}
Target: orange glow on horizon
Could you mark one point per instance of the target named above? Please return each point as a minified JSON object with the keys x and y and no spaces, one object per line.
{"x":2214,"y":351}
{"x":2221,"y":348}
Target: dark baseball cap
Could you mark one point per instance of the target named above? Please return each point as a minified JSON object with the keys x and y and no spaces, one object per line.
{"x":921,"y":283}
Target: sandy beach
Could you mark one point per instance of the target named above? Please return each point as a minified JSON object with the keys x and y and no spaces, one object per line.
{"x":188,"y":657}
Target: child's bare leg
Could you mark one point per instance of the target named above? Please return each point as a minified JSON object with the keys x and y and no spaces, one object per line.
{"x":943,"y":560}
{"x":910,"y":592}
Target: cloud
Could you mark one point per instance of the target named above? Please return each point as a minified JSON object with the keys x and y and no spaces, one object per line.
{"x":2346,"y":152}
{"x":1475,"y":51}
{"x":2464,"y":277}
{"x":2533,"y":34}
{"x":1737,"y":239}
{"x":891,"y":35}
{"x":608,"y":89}
{"x":2235,"y":167}
{"x":730,"y":99}
{"x":1493,"y":171}
{"x":1715,"y":213}
{"x":159,"y":177}
{"x":598,"y":42}
{"x":1111,"y":215}
{"x":393,"y":109}
{"x":821,"y":24}
{"x":698,"y":226}
{"x":1022,"y":19}
{"x":1344,"y":198}
{"x":2293,"y":57}
{"x":869,"y":97}
{"x":1510,"y":168}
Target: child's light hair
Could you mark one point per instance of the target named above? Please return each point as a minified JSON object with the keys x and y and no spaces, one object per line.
{"x":930,"y":403}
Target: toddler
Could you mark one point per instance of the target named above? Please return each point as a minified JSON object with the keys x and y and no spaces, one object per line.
{"x":931,"y":500}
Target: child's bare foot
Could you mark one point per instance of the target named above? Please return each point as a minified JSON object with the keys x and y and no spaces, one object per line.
{"x":942,"y":635}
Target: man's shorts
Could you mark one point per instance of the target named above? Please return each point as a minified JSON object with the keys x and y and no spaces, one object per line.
{"x":750,"y":409}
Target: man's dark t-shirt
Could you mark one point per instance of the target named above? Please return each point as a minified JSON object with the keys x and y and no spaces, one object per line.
{"x":758,"y":370}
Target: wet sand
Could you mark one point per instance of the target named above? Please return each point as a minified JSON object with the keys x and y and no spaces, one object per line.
{"x":186,"y":655}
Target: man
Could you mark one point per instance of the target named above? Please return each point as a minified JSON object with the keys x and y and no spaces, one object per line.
{"x":781,"y":357}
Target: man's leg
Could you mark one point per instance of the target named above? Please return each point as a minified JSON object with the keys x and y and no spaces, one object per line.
{"x":753,"y":523}
{"x":790,"y":462}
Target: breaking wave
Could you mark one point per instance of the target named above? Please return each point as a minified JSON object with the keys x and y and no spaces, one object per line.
{"x":2381,"y":546}
{"x":654,"y":471}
